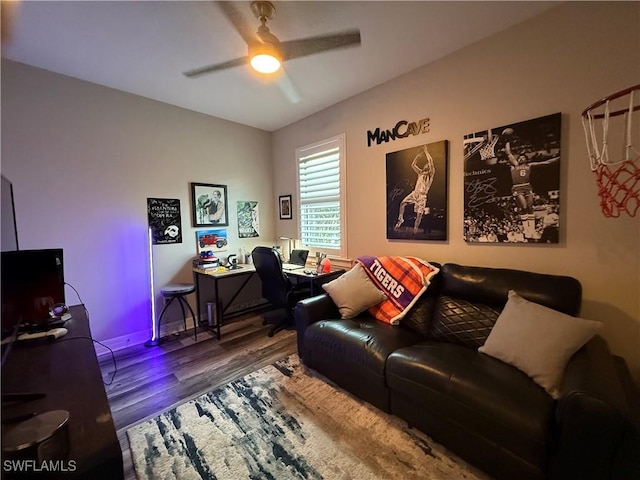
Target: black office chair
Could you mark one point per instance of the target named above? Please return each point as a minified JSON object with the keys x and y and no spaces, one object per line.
{"x":276,"y":286}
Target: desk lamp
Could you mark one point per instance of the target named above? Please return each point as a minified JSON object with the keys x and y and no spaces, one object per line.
{"x":289,"y":239}
{"x":153,"y":341}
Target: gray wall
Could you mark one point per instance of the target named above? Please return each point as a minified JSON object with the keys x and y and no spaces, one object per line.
{"x":83,"y":160}
{"x":561,"y":61}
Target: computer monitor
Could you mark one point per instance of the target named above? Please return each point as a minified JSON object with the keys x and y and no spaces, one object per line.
{"x":299,"y":257}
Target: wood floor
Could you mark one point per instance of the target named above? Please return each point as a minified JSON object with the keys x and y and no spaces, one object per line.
{"x":149,"y":381}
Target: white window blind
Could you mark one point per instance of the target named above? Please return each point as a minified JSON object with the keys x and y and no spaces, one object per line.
{"x":320,"y":180}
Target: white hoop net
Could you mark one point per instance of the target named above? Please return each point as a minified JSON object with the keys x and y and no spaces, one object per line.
{"x":617,"y":174}
{"x":487,"y":151}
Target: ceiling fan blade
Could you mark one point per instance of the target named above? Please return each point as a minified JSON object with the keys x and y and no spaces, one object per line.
{"x":288,"y":88}
{"x":231,"y":12}
{"x":214,"y":68}
{"x":322,"y":43}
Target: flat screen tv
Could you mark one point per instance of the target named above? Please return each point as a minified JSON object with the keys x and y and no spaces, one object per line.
{"x":32,"y":283}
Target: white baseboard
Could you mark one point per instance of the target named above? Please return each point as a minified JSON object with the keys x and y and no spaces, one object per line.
{"x":138,"y":338}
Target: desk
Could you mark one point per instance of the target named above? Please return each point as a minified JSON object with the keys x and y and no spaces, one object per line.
{"x":315,"y":280}
{"x":243,"y":276}
{"x":66,"y":371}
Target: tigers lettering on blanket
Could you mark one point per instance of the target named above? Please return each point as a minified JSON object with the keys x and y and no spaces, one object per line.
{"x":402,"y":279}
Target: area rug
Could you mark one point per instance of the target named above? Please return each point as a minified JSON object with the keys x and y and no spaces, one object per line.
{"x":284,"y":422}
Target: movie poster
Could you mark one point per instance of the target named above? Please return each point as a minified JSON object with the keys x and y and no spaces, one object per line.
{"x":512,"y":183}
{"x":417,"y":192}
{"x":165,"y":220}
{"x":248,"y":220}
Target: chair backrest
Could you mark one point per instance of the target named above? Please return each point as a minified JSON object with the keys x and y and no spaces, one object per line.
{"x":275,"y":284}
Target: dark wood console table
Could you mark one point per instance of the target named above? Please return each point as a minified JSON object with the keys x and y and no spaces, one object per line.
{"x":66,"y":370}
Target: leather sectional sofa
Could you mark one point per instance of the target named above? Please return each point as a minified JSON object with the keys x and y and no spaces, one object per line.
{"x":428,"y":371}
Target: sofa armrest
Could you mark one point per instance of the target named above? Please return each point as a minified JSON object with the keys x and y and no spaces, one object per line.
{"x":591,"y":415}
{"x":309,"y":311}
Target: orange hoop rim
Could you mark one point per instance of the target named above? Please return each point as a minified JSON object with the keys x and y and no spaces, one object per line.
{"x":608,"y":98}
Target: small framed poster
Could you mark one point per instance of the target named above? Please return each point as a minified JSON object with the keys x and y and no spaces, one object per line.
{"x":248,"y":219}
{"x":209,"y":203}
{"x":214,"y":240}
{"x":285,"y":207}
{"x":164,"y":219}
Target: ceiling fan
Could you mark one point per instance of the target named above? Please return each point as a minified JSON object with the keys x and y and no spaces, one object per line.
{"x":265,"y":52}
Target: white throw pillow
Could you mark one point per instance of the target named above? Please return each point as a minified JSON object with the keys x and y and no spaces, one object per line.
{"x":353,"y":292}
{"x":537,"y":340}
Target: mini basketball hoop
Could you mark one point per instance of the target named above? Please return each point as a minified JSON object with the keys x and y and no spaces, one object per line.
{"x":618,"y":178}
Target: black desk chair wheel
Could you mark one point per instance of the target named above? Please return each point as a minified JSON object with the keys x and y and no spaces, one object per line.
{"x":177,"y":291}
{"x":276,"y":286}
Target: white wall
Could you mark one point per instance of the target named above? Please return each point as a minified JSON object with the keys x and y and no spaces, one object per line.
{"x":83,"y":160}
{"x":561,"y":61}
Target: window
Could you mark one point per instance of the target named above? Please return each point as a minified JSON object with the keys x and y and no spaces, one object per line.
{"x":321,"y":193}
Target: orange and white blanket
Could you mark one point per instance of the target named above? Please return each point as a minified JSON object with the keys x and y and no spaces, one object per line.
{"x":403,"y":279}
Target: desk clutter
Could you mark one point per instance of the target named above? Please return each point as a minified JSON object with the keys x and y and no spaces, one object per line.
{"x":225,"y":289}
{"x":297,"y":261}
{"x":207,"y":260}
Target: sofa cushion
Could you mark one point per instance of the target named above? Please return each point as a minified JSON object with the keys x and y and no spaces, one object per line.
{"x":490,"y":286}
{"x":475,"y":392}
{"x":537,"y":340}
{"x":459,"y":321}
{"x":360,"y":341}
{"x":353,"y":354}
{"x":353,"y":292}
{"x":418,"y":318}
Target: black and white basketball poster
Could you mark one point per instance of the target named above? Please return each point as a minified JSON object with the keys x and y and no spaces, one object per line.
{"x":512,"y":183}
{"x":165,"y":220}
{"x":417,"y":192}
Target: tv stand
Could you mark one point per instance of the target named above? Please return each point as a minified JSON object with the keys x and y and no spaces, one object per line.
{"x":63,"y":374}
{"x":22,"y":396}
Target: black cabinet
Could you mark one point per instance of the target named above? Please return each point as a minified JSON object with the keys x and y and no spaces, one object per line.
{"x":66,"y":371}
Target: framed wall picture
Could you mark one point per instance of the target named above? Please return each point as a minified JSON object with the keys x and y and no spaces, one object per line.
{"x":417,"y":180}
{"x":165,"y":220}
{"x":512,"y":182}
{"x":214,"y":240}
{"x":248,"y":219}
{"x":209,"y":205}
{"x":285,"y":207}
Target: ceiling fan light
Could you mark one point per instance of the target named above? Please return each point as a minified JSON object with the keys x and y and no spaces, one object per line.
{"x":265,"y":63}
{"x":265,"y":58}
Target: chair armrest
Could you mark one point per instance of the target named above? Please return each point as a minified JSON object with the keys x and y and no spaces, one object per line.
{"x":309,"y":311}
{"x":591,"y":416}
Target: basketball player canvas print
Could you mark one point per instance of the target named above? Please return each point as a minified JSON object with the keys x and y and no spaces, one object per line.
{"x":417,"y":192}
{"x":512,"y":183}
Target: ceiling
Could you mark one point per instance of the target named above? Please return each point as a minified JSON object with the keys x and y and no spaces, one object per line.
{"x":143,"y":47}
